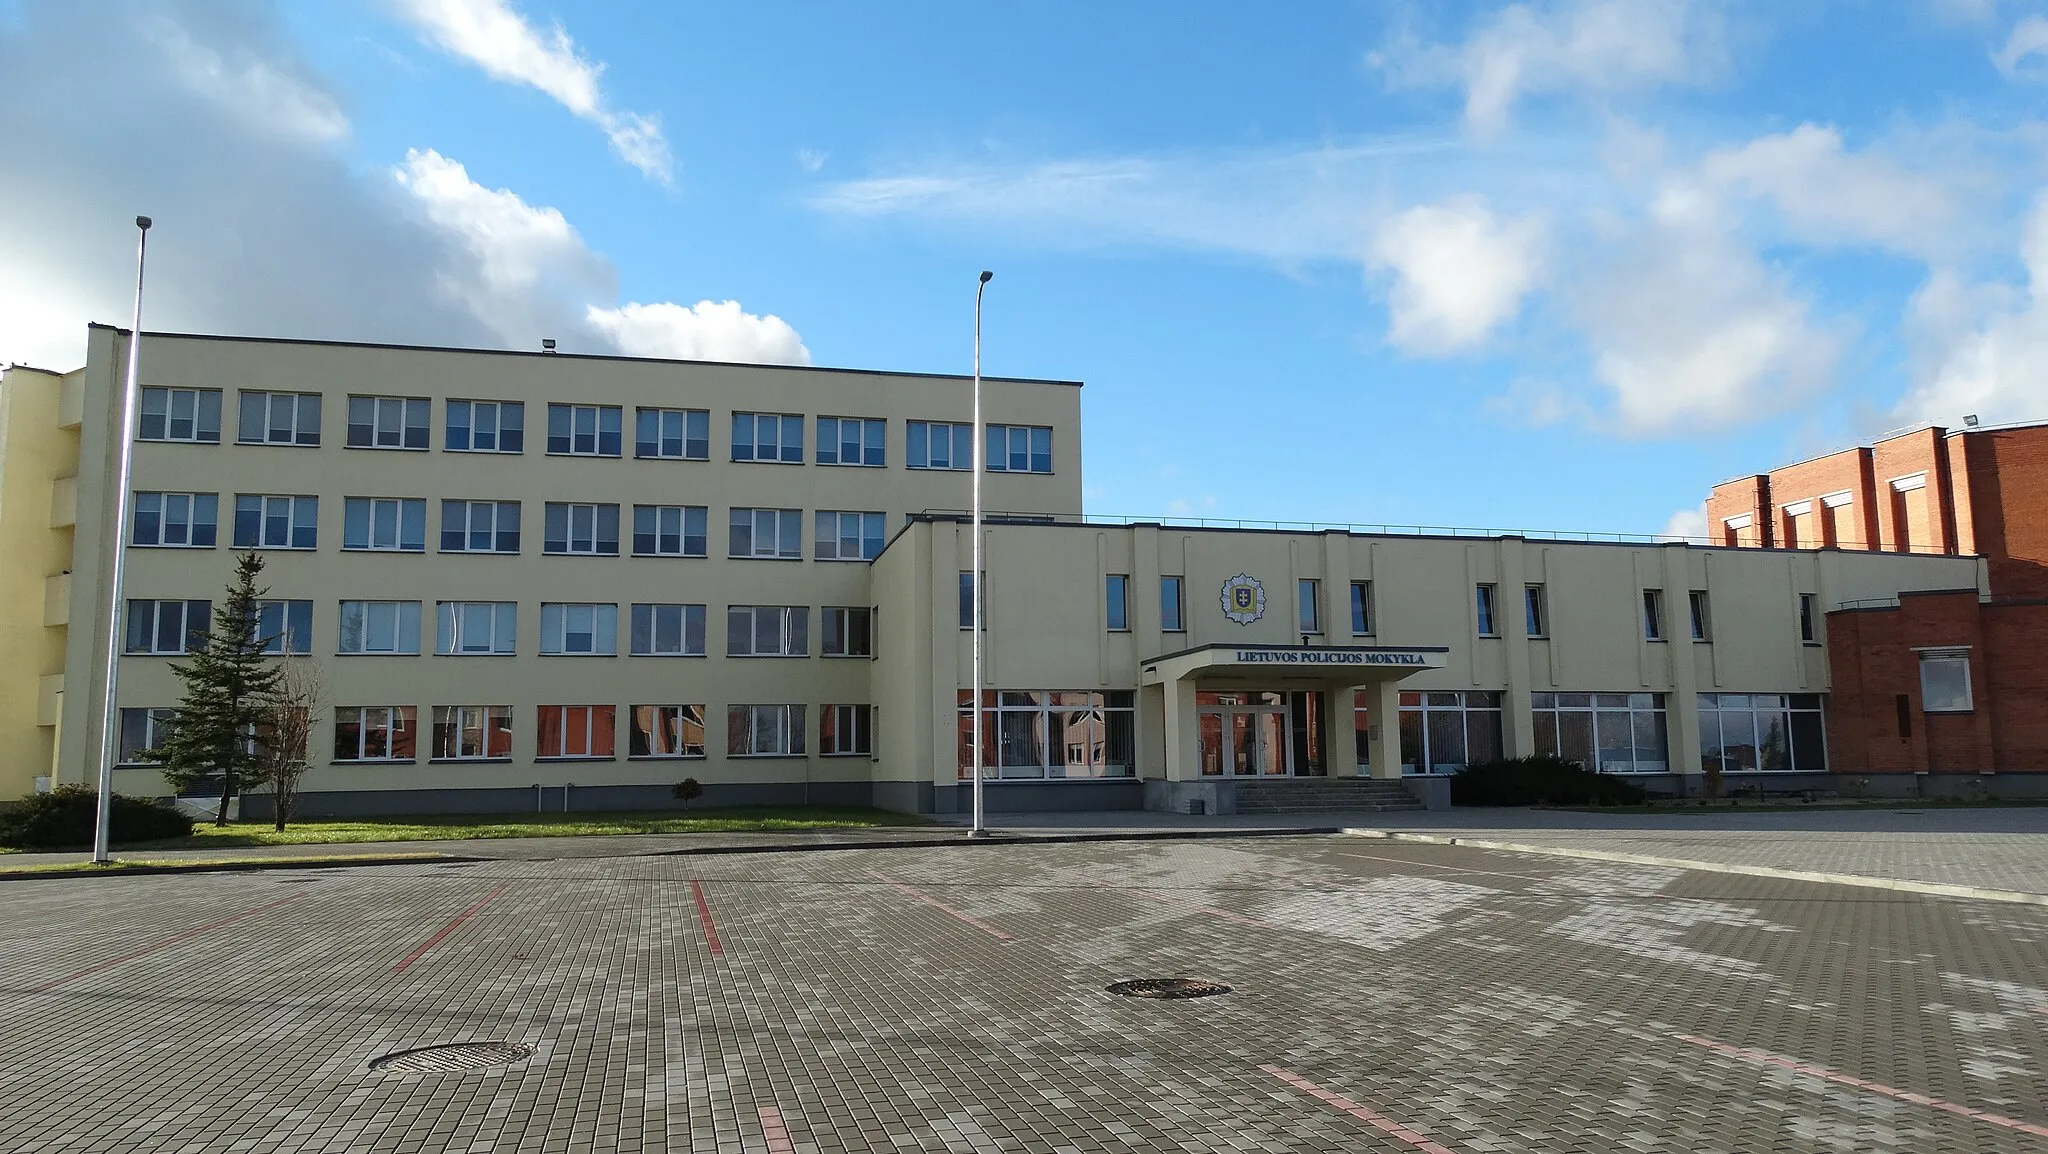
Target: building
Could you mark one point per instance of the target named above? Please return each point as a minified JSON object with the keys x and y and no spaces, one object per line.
{"x":1951,"y":681}
{"x":552,"y":581}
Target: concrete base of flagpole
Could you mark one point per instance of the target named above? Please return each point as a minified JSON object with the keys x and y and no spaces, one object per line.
{"x":980,"y":833}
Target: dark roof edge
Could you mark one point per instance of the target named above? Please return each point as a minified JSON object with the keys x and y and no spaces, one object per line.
{"x":1213,"y":645}
{"x":576,"y":356}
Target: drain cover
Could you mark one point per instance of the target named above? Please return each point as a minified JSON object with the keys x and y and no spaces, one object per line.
{"x":452,"y":1059}
{"x":1168,"y":988}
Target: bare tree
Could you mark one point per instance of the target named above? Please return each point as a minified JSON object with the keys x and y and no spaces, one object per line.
{"x":292,"y":712}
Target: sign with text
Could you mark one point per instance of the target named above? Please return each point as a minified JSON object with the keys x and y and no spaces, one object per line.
{"x":1395,"y":657}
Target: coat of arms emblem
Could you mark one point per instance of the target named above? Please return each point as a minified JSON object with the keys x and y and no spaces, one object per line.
{"x":1244,"y":599}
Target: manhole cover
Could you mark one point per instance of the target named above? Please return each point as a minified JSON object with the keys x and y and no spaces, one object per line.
{"x":1168,"y":988}
{"x":452,"y":1059}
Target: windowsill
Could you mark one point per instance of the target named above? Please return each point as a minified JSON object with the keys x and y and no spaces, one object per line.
{"x":138,"y":765}
{"x":850,"y":465}
{"x":674,"y":556}
{"x":545,"y":653}
{"x":390,"y":448}
{"x":1537,"y":636}
{"x":378,"y":653}
{"x":478,"y":552}
{"x":174,"y":546}
{"x":737,"y":557}
{"x":1811,"y":644}
{"x":968,"y":779}
{"x":939,"y":468}
{"x":552,"y":759}
{"x":695,"y":655}
{"x":757,"y":461}
{"x":470,"y":761}
{"x":377,"y":761}
{"x":1489,"y":637}
{"x":848,"y":656}
{"x":489,"y":452}
{"x":1125,"y":629}
{"x":768,"y":757}
{"x":492,"y":653}
{"x":156,"y":653}
{"x":279,"y":548}
{"x":666,"y":757}
{"x":175,"y":441}
{"x":1950,"y":712}
{"x":842,"y":560}
{"x":1657,"y":640}
{"x":598,"y":456}
{"x":772,"y":656}
{"x":668,"y":457}
{"x":1019,"y":473}
{"x":546,"y":552}
{"x":837,"y":756}
{"x":367,"y":549}
{"x":279,"y":444}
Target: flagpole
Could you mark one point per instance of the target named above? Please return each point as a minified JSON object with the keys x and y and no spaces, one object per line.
{"x":980,"y":466}
{"x":110,"y":717}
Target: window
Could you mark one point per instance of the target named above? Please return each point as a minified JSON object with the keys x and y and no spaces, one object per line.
{"x":668,"y":631}
{"x":387,"y":524}
{"x":849,"y":632}
{"x":1170,"y":616}
{"x":589,"y":530}
{"x":1653,"y":615}
{"x":285,"y":626}
{"x":1361,"y":608}
{"x":175,"y":520}
{"x":1702,"y":616}
{"x":570,"y":628}
{"x":764,"y":731}
{"x":143,"y":730}
{"x":1762,"y":731}
{"x":584,"y":430}
{"x":667,"y":731}
{"x":264,"y":521}
{"x":472,"y":732}
{"x":1308,"y":595}
{"x":1605,"y":732}
{"x":851,"y":441}
{"x":1534,"y":619}
{"x":375,"y":732}
{"x":486,"y":427}
{"x":1945,"y":680}
{"x":168,"y":626}
{"x":380,"y":627}
{"x":1116,"y":597}
{"x":180,"y":415}
{"x":846,"y":536}
{"x":767,"y":631}
{"x":1483,"y":603}
{"x":476,"y":627}
{"x":1019,"y":449}
{"x":939,"y":445}
{"x":1445,"y":732}
{"x":479,"y":526}
{"x":579,"y":731}
{"x":1809,"y":615}
{"x":279,"y":418}
{"x":669,"y":530}
{"x":768,"y":533}
{"x":681,"y":434}
{"x":846,"y":731}
{"x":768,"y":437}
{"x":967,"y":602}
{"x":1049,"y":734}
{"x":389,"y":422}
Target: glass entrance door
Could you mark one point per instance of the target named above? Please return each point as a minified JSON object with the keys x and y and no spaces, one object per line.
{"x":1244,"y":740}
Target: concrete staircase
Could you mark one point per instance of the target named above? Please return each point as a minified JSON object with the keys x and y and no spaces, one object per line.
{"x":1323,"y":795}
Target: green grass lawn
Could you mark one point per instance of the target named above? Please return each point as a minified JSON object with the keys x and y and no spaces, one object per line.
{"x":436,"y":827}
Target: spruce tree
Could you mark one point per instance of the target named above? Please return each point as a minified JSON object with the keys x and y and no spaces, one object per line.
{"x":229,"y":684}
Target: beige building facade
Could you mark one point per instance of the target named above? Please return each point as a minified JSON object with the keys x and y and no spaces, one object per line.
{"x":541,"y":581}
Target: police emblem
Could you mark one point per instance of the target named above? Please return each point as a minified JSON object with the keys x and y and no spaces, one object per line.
{"x":1244,"y":599}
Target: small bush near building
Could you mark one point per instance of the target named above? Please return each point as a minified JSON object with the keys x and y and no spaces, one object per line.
{"x":1540,"y":781}
{"x":64,"y":817}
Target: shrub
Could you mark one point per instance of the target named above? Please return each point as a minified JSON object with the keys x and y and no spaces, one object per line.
{"x":687,"y":790}
{"x":1540,"y":781}
{"x":64,"y":817}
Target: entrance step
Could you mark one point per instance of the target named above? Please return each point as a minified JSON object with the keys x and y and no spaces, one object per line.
{"x":1323,"y":794}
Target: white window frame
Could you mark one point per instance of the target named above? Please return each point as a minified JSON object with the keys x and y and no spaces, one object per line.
{"x":1308,"y":606}
{"x":954,"y":435}
{"x":660,"y":416}
{"x":792,"y":632}
{"x":1535,"y":610}
{"x":398,"y":509}
{"x":498,"y":513}
{"x":156,"y":720}
{"x":652,"y":612}
{"x":191,"y":525}
{"x":1909,"y":482}
{"x":592,"y":543}
{"x":590,"y":732}
{"x":556,"y":634}
{"x":395,"y":719}
{"x":1809,"y":618}
{"x":596,"y":433}
{"x":880,"y":446}
{"x":490,"y":719}
{"x":1700,"y":614}
{"x":1738,"y":522}
{"x":785,"y":454}
{"x":850,"y":732}
{"x":753,"y":514}
{"x":741,"y":730}
{"x":404,"y":623}
{"x":829,"y":536}
{"x":667,"y":722}
{"x":301,"y":436}
{"x":406,"y":431}
{"x":454,"y":620}
{"x":1173,"y":605}
{"x":297,"y":507}
{"x":1486,"y":609}
{"x":171,"y":395}
{"x":154,"y":648}
{"x":682,"y":515}
{"x":839,"y":619}
{"x":498,"y":411}
{"x":1944,"y":654}
{"x":1654,"y":628}
{"x":1008,"y":433}
{"x":280,"y":643}
{"x":1361,"y":609}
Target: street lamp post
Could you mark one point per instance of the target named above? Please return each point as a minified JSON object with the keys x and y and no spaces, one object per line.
{"x":980,"y":467}
{"x":110,"y":718}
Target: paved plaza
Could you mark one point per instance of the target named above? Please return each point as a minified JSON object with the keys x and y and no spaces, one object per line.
{"x":1386,"y":996}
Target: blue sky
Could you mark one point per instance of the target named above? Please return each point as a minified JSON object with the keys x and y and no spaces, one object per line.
{"x":1555,"y":265}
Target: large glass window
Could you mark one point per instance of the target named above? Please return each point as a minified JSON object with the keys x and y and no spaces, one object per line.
{"x":939,"y":445}
{"x":389,"y":422}
{"x":1019,"y":449}
{"x":180,"y":415}
{"x":1702,"y":615}
{"x":1171,"y":616}
{"x":1535,"y":615}
{"x":1653,"y":615}
{"x":967,"y":600}
{"x":143,"y":730}
{"x":1050,"y":734}
{"x":1809,"y":618}
{"x":1607,"y":732}
{"x":577,"y":731}
{"x":486,"y":426}
{"x":380,"y":627}
{"x":584,"y":430}
{"x":668,"y":630}
{"x":669,"y":530}
{"x":588,"y":530}
{"x":1308,"y":596}
{"x":768,"y":437}
{"x":1361,"y":608}
{"x":849,"y":632}
{"x":1445,"y":732}
{"x":1762,"y":731}
{"x":849,"y":536}
{"x":167,"y":626}
{"x":852,"y":441}
{"x":1116,"y":597}
{"x":285,"y":626}
{"x":766,"y":533}
{"x":279,"y":418}
{"x":579,"y":629}
{"x":479,"y":526}
{"x":472,"y":732}
{"x":268,"y":521}
{"x":667,"y":731}
{"x":1945,"y":680}
{"x":1482,"y":606}
{"x":175,"y":520}
{"x":387,"y":524}
{"x":681,"y":434}
{"x":476,"y":627}
{"x":375,"y":732}
{"x":846,"y":731}
{"x":764,"y":731}
{"x":767,"y":631}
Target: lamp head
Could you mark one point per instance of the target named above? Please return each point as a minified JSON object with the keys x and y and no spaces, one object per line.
{"x":143,"y":223}
{"x":987,"y":276}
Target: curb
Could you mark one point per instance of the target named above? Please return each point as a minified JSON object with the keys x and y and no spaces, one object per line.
{"x":247,"y":865}
{"x":997,"y":837}
{"x":1898,"y":885}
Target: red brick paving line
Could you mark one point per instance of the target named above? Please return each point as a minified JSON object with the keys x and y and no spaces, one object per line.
{"x":1825,"y":1074}
{"x":406,"y":963}
{"x":173,"y":940}
{"x":775,"y":1132}
{"x":935,"y":903}
{"x":1383,"y":1124}
{"x":704,"y":919}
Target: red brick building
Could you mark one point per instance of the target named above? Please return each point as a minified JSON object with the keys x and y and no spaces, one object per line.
{"x":1940,"y":681}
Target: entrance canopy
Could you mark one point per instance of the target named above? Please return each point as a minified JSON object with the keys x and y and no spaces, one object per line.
{"x":1349,"y":664}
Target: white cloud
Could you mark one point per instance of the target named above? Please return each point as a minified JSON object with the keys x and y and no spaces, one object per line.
{"x":1600,"y":47}
{"x":1829,"y":195}
{"x":705,"y":331}
{"x":811,"y":159}
{"x":1459,"y":270}
{"x":497,"y":39}
{"x":2020,"y":57}
{"x":266,"y":93}
{"x":1996,"y":367}
{"x":1687,"y":525}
